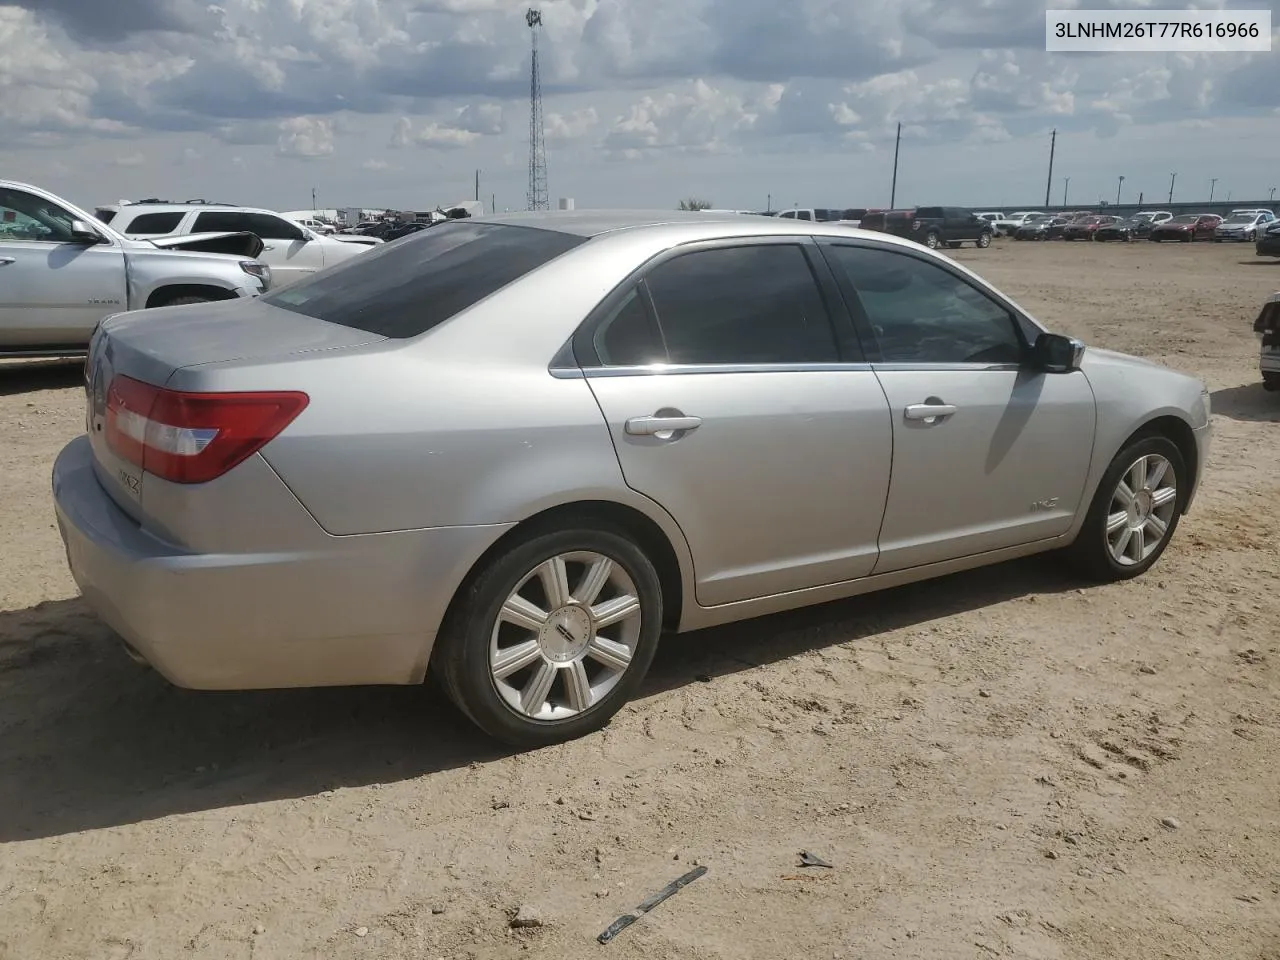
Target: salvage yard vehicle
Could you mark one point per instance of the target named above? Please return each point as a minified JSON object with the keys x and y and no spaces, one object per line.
{"x":61,"y":271}
{"x":500,"y":451}
{"x":1267,"y":327}
{"x":292,"y":250}
{"x":1268,"y":242}
{"x":1134,"y":228}
{"x":1186,"y":228}
{"x":1243,"y":226}
{"x":942,"y":226}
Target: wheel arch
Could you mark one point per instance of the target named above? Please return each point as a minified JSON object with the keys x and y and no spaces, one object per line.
{"x":669,"y":558}
{"x":172,"y":291}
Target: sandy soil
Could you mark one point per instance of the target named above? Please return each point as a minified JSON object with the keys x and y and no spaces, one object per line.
{"x":986,"y":760}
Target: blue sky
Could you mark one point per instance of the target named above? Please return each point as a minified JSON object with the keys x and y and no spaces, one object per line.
{"x":398,"y":102}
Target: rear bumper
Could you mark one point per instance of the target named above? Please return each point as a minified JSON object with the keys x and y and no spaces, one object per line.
{"x":360,"y":610}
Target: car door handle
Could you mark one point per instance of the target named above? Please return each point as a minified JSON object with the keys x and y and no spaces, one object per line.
{"x":269,"y":246}
{"x":929,"y":412}
{"x":5,"y":261}
{"x":657,"y":426}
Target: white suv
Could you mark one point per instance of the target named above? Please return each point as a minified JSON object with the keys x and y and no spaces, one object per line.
{"x":292,"y":250}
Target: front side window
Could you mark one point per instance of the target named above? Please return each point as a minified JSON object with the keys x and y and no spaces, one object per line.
{"x":25,"y":216}
{"x":749,"y":304}
{"x":921,"y":313}
{"x":263,"y":225}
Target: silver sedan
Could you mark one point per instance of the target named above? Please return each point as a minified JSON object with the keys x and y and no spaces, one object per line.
{"x":513,"y":452}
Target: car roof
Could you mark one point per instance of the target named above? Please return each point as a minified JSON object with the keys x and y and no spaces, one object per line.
{"x":189,"y":207}
{"x":594,"y":223}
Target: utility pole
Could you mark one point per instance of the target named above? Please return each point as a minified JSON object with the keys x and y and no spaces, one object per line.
{"x":1066,"y":185}
{"x":768,"y":204}
{"x":1118,"y":186}
{"x":1271,"y":199}
{"x":1053,"y":142}
{"x":477,"y":185}
{"x":1172,"y":177}
{"x":893,"y":190}
{"x":493,"y":203}
{"x":1140,"y":196}
{"x":1212,"y":183}
{"x":313,"y":199}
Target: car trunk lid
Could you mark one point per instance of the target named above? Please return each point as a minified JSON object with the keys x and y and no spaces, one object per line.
{"x":150,"y":346}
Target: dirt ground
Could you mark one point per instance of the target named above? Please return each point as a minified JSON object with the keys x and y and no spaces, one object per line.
{"x":986,"y":760}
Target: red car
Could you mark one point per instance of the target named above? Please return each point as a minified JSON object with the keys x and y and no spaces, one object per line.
{"x":1084,"y":228}
{"x":1187,"y":228}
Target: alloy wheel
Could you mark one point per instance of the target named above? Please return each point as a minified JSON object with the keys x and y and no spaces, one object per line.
{"x":1142,"y":510}
{"x":565,"y":636}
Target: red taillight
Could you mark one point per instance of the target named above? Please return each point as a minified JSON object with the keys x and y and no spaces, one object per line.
{"x":193,"y":437}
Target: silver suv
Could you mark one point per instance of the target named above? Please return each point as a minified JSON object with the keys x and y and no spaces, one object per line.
{"x":62,"y":271}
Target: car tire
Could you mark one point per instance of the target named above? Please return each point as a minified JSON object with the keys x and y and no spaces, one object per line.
{"x":569,"y":672}
{"x":984,"y":241}
{"x":932,"y":240}
{"x":1112,"y":544}
{"x":183,"y":301}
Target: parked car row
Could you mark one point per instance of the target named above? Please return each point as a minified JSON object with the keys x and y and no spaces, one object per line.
{"x":1154,"y":225}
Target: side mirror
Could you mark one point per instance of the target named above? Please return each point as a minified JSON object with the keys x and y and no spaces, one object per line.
{"x":1054,"y":353}
{"x":81,"y":232}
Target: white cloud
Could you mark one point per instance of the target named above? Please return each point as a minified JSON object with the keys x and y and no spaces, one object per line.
{"x":563,"y":127}
{"x":305,"y":138}
{"x":375,"y":165}
{"x":129,"y":160}
{"x":702,"y":120}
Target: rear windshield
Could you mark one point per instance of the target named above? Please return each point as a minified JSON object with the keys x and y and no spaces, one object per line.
{"x":406,"y":287}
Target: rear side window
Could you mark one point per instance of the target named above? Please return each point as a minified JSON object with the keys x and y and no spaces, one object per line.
{"x":929,"y":213}
{"x":154,"y":224}
{"x":405,"y":288}
{"x":106,"y":216}
{"x":750,"y":304}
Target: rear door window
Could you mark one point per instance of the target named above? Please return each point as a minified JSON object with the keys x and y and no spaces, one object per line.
{"x":749,"y":304}
{"x":156,"y":224}
{"x":263,"y":225}
{"x":405,"y":288}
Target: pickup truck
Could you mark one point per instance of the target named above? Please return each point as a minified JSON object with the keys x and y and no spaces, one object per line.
{"x":62,"y":271}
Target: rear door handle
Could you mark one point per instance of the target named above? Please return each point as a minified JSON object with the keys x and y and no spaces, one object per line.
{"x":661,"y":427}
{"x":929,"y":412}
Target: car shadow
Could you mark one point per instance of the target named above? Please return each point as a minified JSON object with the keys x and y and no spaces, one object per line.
{"x":1250,"y":403}
{"x":89,"y":739}
{"x":1260,"y":263}
{"x":26,"y":376}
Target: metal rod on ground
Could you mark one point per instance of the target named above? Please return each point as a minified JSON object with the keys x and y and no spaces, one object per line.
{"x":893,"y":190}
{"x":1053,"y":142}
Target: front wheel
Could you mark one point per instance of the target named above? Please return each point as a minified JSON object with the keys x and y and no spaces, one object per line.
{"x":551,"y":639}
{"x":984,"y":240}
{"x":1134,"y":512}
{"x":931,"y":241}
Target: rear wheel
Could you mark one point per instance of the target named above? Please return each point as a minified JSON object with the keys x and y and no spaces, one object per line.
{"x":932,"y":241}
{"x":984,"y":240}
{"x":551,"y":639}
{"x":1134,"y":512}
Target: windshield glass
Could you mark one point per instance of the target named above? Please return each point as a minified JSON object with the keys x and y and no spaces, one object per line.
{"x":1185,"y":218}
{"x":1241,"y":218}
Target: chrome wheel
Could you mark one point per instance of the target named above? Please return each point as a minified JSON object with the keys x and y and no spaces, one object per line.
{"x":565,"y":636}
{"x":1142,"y":510}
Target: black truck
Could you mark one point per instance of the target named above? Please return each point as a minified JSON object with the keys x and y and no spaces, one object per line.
{"x":938,"y":226}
